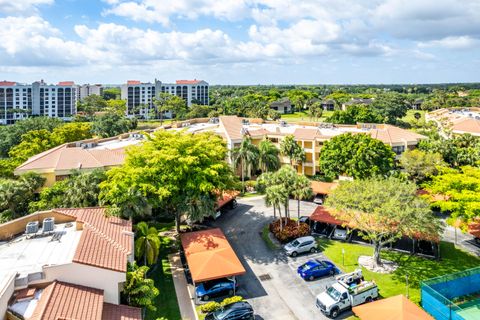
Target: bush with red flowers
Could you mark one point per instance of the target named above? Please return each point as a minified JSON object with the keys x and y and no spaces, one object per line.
{"x":290,"y":231}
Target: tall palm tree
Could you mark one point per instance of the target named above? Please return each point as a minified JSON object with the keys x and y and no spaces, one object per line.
{"x":147,"y":244}
{"x":199,"y":206}
{"x":302,"y":189}
{"x":268,"y":156}
{"x":290,"y":148}
{"x":246,"y":156}
{"x":277,"y":195}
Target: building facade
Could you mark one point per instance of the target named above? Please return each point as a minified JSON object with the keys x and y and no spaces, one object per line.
{"x":86,"y":90}
{"x":19,"y":101}
{"x":140,"y":95}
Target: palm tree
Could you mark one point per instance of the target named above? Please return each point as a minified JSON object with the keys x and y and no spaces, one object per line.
{"x":246,"y":155}
{"x":302,"y":190}
{"x":277,"y":195}
{"x":268,"y":156}
{"x":290,"y":148}
{"x":139,"y":290}
{"x":147,"y":244}
{"x":199,"y":206}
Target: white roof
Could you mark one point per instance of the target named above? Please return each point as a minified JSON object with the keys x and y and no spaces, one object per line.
{"x":26,"y":256}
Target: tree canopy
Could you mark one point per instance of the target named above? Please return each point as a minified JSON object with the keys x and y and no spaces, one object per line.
{"x":391,"y":106}
{"x":111,"y":124}
{"x":419,"y":165}
{"x":383,"y":210}
{"x":169,"y":170}
{"x":357,"y":155}
{"x":459,"y":192}
{"x":355,"y":113}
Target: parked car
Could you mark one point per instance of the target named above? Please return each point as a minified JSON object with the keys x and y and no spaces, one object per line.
{"x":316,"y":268}
{"x":318,"y":199}
{"x":304,"y":219}
{"x":301,"y":245}
{"x":238,"y":310}
{"x":215,"y":288}
{"x":340,"y":233}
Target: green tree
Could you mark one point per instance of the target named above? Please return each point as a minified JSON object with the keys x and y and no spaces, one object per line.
{"x":420,"y":165}
{"x":79,"y":190}
{"x":110,"y":124}
{"x":290,"y":148}
{"x":12,"y":134}
{"x":459,"y":190}
{"x":117,"y":106}
{"x":111,"y":93}
{"x":354,"y":114}
{"x":147,"y":244}
{"x":15,"y":195}
{"x":302,"y":189}
{"x":169,"y":168}
{"x":391,"y":106}
{"x":198,"y":111}
{"x":91,"y":104}
{"x":139,"y":291}
{"x":245,"y":156}
{"x":315,"y":110}
{"x":356,"y":155}
{"x":169,"y":102}
{"x":383,"y":210}
{"x":268,"y":156}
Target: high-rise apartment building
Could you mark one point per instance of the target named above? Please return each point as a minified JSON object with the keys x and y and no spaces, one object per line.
{"x":19,"y":101}
{"x":140,"y":96}
{"x":86,"y":90}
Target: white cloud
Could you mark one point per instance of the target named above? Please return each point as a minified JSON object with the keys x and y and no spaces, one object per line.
{"x":462,"y":42}
{"x":21,"y":6}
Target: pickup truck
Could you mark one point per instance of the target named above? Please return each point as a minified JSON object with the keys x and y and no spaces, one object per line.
{"x":341,"y":296}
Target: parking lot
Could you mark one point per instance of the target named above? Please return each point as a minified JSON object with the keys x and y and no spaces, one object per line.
{"x":271,"y":283}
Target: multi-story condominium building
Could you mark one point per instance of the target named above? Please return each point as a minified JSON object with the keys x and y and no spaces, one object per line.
{"x":68,"y":263}
{"x":86,"y":90}
{"x":140,"y":95}
{"x":18,"y":101}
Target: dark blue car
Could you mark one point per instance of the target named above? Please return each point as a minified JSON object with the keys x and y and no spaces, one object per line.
{"x":316,"y":268}
{"x":215,"y":288}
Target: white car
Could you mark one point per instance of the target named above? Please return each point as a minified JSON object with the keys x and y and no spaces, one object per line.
{"x":340,"y":233}
{"x":301,"y":245}
{"x":318,"y":200}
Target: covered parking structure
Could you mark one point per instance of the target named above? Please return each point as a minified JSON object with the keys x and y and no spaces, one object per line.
{"x":209,"y":256}
{"x":322,"y":189}
{"x":323,"y":223}
{"x":393,"y":308}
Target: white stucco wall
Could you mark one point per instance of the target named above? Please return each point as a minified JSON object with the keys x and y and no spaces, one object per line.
{"x":7,"y":287}
{"x":108,"y":280}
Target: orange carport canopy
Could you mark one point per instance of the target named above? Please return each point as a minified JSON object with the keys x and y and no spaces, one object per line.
{"x":210,"y":256}
{"x":393,"y":308}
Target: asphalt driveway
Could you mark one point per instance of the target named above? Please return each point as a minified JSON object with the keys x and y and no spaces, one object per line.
{"x":271,"y":284}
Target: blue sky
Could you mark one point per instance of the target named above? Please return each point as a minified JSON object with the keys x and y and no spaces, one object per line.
{"x":241,"y":41}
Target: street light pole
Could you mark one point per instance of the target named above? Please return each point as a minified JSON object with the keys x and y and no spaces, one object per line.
{"x":406,"y":278}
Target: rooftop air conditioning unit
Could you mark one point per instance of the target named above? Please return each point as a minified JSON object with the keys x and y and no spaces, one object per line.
{"x":32,"y":227}
{"x":245,"y":122}
{"x":283,"y":123}
{"x":48,"y":224}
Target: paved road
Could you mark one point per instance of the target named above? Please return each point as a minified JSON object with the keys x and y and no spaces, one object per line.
{"x":464,"y":240}
{"x":281,"y":294}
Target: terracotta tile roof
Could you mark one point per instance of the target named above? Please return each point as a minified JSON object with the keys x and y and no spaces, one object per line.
{"x":61,"y":301}
{"x":105,"y":242}
{"x":321,"y":214}
{"x":232,"y":126}
{"x":7,"y":83}
{"x":25,"y":293}
{"x":66,"y":83}
{"x":120,"y":312}
{"x":195,"y":81}
{"x":306,"y":133}
{"x":468,"y":125}
{"x":258,"y":132}
{"x":394,"y":135}
{"x":70,"y":158}
{"x":133,"y":82}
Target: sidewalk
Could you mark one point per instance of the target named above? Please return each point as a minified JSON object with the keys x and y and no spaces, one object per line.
{"x":185,"y":302}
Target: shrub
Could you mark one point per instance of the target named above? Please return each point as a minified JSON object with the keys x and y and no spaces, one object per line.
{"x":291,"y":230}
{"x":230,"y":300}
{"x":210,"y":307}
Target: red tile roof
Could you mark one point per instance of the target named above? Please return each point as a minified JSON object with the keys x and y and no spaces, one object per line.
{"x":61,"y":301}
{"x":232,"y":126}
{"x":320,"y":187}
{"x":226,"y":198}
{"x":120,"y":312}
{"x":66,"y":83}
{"x":131,"y":82}
{"x":7,"y":83}
{"x":306,"y":133}
{"x":321,"y":214}
{"x":194,"y":81}
{"x":105,"y":242}
{"x":467,"y":125}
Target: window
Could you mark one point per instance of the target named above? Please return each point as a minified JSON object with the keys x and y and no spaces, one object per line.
{"x":398,"y":149}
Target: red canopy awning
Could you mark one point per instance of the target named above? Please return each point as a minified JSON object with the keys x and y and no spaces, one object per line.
{"x":321,"y":214}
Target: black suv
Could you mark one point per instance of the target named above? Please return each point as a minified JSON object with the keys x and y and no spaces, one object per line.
{"x":234,"y":311}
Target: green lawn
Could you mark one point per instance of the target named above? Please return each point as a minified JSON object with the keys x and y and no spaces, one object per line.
{"x":144,"y":124}
{"x":166,"y":301}
{"x":417,"y":268}
{"x":302,"y":116}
